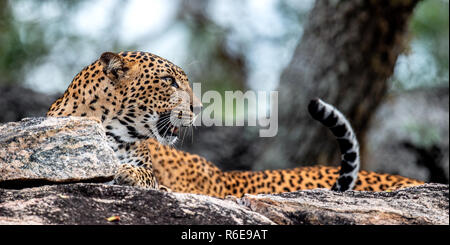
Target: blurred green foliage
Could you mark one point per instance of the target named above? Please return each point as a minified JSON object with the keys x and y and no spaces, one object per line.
{"x":428,"y":65}
{"x":23,"y":43}
{"x":27,"y":42}
{"x":213,"y":63}
{"x":17,"y":49}
{"x":422,"y":135}
{"x":431,"y":25}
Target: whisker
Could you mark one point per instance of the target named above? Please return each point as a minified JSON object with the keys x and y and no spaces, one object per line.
{"x":167,"y":129}
{"x":162,"y":122}
{"x":192,"y":133}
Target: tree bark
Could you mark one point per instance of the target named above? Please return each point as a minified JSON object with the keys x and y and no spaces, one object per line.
{"x":346,"y":55}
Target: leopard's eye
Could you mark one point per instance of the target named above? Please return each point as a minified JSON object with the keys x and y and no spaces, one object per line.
{"x":171,"y":81}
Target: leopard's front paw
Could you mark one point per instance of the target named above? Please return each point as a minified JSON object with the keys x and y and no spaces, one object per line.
{"x":126,"y":175}
{"x":135,"y":176}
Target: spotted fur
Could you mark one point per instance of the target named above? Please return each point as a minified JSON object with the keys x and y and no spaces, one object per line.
{"x":133,"y":94}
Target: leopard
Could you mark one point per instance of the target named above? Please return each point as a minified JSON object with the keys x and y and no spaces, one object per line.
{"x":143,"y":100}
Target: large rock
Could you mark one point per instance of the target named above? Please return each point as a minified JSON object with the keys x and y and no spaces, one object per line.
{"x":52,"y":155}
{"x":86,"y":203}
{"x":94,"y":203}
{"x":426,"y":204}
{"x":46,"y":150}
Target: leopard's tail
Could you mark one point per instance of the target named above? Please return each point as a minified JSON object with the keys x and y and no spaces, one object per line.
{"x":348,"y":144}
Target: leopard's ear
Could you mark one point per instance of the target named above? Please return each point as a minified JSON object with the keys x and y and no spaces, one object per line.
{"x":113,"y":66}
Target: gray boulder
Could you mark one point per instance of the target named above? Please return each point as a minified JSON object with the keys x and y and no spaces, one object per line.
{"x":86,"y":203}
{"x":426,"y":204}
{"x":54,"y":150}
{"x":95,"y":203}
{"x":43,"y":161}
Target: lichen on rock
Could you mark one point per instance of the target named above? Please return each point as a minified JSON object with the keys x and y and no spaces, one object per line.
{"x":43,"y":159}
{"x":55,"y":150}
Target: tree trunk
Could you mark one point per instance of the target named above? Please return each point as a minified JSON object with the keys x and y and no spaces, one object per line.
{"x":346,"y":55}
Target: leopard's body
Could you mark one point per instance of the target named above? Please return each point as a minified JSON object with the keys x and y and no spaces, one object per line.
{"x":132,"y":93}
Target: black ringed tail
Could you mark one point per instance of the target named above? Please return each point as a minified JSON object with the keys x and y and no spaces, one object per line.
{"x":348,"y":144}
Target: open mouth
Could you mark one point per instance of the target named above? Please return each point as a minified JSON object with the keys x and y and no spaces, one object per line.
{"x":165,"y":126}
{"x":168,"y":130}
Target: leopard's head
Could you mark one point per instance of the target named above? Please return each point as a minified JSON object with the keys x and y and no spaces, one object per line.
{"x":136,"y":95}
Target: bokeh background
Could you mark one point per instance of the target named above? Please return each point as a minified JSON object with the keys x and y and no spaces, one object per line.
{"x":229,"y":45}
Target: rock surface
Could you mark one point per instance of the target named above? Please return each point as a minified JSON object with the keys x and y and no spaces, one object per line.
{"x":87,"y":203}
{"x":426,"y":204}
{"x":54,"y":150}
{"x":93,"y":203}
{"x":42,"y":161}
